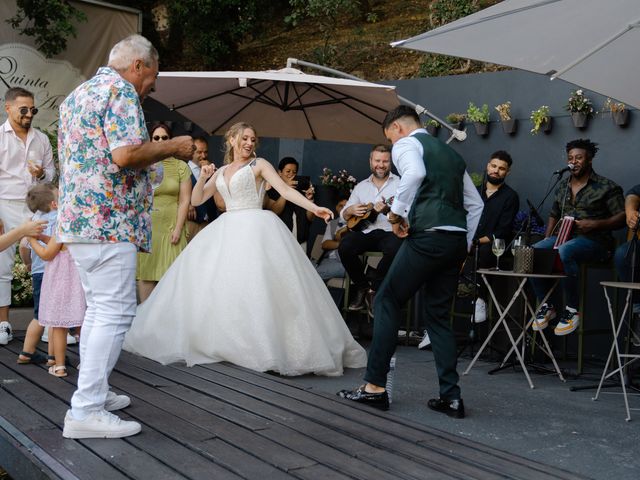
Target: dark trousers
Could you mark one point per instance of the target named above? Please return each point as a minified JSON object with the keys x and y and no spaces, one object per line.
{"x":355,"y":244}
{"x":432,"y":259}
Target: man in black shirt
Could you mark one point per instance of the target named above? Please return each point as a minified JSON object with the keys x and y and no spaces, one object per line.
{"x":501,"y":205}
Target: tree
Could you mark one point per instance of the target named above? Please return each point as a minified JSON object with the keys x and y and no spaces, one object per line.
{"x":49,"y":22}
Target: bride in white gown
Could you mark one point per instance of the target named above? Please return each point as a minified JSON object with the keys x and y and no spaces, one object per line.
{"x":243,"y":291}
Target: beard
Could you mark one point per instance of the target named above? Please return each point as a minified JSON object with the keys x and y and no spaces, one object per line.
{"x":494,"y":181}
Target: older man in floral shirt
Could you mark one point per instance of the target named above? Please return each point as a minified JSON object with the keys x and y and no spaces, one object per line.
{"x":104,"y":218}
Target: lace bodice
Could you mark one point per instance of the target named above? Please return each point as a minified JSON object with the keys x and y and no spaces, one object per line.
{"x":241,"y":193}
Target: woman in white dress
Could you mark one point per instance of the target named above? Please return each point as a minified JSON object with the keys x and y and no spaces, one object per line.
{"x":243,"y":291}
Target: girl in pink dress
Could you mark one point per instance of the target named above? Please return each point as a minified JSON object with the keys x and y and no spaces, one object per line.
{"x":62,"y":302}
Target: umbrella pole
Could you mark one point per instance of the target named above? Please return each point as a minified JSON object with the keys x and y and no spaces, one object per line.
{"x":459,"y":135}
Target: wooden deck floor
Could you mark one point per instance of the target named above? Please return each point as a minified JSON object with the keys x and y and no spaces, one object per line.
{"x":220,"y":421}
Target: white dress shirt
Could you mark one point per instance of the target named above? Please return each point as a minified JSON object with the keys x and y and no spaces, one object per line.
{"x":367,"y":192}
{"x":15,"y":178}
{"x":195,"y":169}
{"x":407,"y":155}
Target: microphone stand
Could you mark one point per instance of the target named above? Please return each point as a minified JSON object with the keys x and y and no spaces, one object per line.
{"x":526,"y":226}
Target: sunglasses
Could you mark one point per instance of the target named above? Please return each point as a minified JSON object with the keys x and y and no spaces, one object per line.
{"x":157,"y":137}
{"x":25,"y":110}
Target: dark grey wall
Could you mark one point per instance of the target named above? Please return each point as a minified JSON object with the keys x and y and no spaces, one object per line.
{"x":535,"y":156}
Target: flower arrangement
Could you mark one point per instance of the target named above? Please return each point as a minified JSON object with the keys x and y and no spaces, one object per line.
{"x":579,"y":103}
{"x":432,"y":123}
{"x":342,"y":180}
{"x":504,"y":110}
{"x":613,"y":107}
{"x":519,"y":223}
{"x":538,"y":117}
{"x":478,"y":114}
{"x":21,"y":286}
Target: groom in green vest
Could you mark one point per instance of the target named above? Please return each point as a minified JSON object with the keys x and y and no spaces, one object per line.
{"x":436,"y":210}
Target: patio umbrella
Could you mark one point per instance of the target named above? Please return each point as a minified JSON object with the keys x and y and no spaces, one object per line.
{"x":284,"y":103}
{"x":591,"y":43}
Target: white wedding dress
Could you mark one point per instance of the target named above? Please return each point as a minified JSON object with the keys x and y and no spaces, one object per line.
{"x":244,"y":292}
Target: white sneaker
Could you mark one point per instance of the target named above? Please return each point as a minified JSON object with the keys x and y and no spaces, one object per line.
{"x":71,"y":340}
{"x":6,"y":334}
{"x":425,"y":342}
{"x":45,"y":335}
{"x":569,"y":321}
{"x":116,"y":402}
{"x":480,"y":314}
{"x":99,"y":425}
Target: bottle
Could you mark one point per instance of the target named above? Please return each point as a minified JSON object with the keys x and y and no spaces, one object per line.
{"x":390,"y":375}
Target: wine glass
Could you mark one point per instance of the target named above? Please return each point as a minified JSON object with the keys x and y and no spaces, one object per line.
{"x":497,"y":247}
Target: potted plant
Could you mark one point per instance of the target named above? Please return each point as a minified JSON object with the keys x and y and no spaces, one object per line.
{"x":541,"y":120}
{"x":455,"y":120}
{"x":432,"y":127}
{"x":479,"y":117}
{"x":580,"y":108}
{"x":619,"y":112}
{"x":509,"y":125}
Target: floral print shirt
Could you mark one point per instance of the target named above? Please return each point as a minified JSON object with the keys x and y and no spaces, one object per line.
{"x":99,"y":202}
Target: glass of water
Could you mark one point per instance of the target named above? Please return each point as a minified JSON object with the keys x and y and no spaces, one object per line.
{"x":497,"y":247}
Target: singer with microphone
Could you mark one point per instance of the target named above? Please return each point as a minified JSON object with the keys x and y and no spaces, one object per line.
{"x":501,"y":205}
{"x":585,"y":210}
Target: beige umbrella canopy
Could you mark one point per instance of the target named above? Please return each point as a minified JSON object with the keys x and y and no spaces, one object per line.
{"x":592,"y":43}
{"x":281,"y":104}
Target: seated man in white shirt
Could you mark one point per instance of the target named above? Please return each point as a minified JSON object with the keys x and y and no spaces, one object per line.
{"x":373,"y":232}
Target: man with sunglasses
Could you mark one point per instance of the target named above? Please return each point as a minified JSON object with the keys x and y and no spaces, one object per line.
{"x":25,"y":159}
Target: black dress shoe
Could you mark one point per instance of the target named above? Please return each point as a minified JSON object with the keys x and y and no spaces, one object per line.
{"x":358,"y":300}
{"x":375,"y":400}
{"x":453,"y":408}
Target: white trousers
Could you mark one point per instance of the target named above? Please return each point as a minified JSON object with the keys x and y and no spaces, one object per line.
{"x":12,"y":214}
{"x":108,"y":275}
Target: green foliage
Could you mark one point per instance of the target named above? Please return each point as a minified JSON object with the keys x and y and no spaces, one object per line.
{"x":226,"y":22}
{"x":49,"y":22}
{"x":538,"y":117}
{"x":441,"y":13}
{"x":21,"y":285}
{"x":326,"y":14}
{"x":433,"y":123}
{"x":446,"y":11}
{"x":475,"y":114}
{"x":476,"y":178}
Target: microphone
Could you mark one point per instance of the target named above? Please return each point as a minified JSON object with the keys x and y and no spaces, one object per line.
{"x":534,"y":212}
{"x":568,"y":168}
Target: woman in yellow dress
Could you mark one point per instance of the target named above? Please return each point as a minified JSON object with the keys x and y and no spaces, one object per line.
{"x":170,"y":206}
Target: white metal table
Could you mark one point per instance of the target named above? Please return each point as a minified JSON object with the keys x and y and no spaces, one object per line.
{"x":623,"y":359}
{"x":528,"y":309}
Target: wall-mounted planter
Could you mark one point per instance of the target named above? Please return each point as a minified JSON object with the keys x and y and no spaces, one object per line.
{"x":482,"y":129}
{"x":546,"y":125}
{"x":621,"y":117}
{"x":579,"y":119}
{"x":510,"y":126}
{"x":457,"y":126}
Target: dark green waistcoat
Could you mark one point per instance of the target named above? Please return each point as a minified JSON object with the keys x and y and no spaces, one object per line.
{"x":439,"y":198}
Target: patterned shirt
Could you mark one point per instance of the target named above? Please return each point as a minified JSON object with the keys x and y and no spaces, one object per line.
{"x":99,"y":202}
{"x":599,"y":199}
